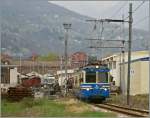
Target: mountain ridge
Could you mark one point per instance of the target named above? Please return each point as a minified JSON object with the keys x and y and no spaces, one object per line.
{"x":37,"y":27}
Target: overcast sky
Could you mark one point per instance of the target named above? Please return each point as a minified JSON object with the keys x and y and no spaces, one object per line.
{"x":107,"y":9}
{"x":89,"y":8}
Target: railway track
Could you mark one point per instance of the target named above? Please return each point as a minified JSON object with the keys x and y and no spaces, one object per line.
{"x":124,"y":110}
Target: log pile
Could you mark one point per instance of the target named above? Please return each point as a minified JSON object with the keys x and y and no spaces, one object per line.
{"x":18,"y":93}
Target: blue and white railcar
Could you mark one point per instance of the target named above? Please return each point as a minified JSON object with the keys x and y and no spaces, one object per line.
{"x":95,"y":85}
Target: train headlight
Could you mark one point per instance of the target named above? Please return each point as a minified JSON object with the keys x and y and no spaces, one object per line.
{"x":105,"y":89}
{"x":87,"y":89}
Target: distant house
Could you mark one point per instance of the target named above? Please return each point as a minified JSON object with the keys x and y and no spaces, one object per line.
{"x":37,"y":66}
{"x":5,"y":59}
{"x":78,"y":59}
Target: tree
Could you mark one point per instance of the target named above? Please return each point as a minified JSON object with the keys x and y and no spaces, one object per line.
{"x":92,"y":59}
{"x":49,"y":57}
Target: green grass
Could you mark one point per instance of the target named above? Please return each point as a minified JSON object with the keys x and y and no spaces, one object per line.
{"x":10,"y":109}
{"x":47,"y":108}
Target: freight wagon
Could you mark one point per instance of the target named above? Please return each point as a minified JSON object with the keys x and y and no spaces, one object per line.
{"x":33,"y":81}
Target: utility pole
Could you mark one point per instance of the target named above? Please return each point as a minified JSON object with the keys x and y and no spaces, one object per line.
{"x":33,"y":59}
{"x":43,"y":68}
{"x":129,"y":53}
{"x":123,"y":67}
{"x":61,"y":69}
{"x":123,"y":59}
{"x":20,"y":65}
{"x":67,"y":26}
{"x":149,"y":51}
{"x":30,"y":67}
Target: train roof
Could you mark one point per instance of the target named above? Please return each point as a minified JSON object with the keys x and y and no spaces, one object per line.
{"x":96,"y":69}
{"x":93,"y":83}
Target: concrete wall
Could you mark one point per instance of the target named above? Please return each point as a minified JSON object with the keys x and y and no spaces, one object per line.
{"x":115,"y":72}
{"x":139,"y":80}
{"x":135,"y":78}
{"x":144,"y":77}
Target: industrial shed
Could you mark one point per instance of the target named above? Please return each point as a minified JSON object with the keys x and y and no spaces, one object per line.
{"x":9,"y":76}
{"x":139,"y":81}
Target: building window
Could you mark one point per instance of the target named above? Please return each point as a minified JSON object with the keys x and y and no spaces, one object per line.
{"x":5,"y":75}
{"x":110,"y":65}
{"x":114,"y":65}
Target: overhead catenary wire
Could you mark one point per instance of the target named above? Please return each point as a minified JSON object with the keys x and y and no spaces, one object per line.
{"x":138,"y":6}
{"x":90,"y":34}
{"x":118,"y":27}
{"x":101,"y":35}
{"x":136,"y":9}
{"x":102,"y":30}
{"x":122,"y":6}
{"x":115,"y":13}
{"x":141,"y":20}
{"x":134,"y":12}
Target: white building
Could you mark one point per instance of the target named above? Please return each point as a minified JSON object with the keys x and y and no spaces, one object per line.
{"x":139,"y":77}
{"x":117,"y":71}
{"x":9,"y":76}
{"x":71,"y":73}
{"x":13,"y":77}
{"x":61,"y":76}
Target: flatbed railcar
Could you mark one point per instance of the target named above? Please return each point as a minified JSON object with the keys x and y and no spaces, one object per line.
{"x":95,"y":85}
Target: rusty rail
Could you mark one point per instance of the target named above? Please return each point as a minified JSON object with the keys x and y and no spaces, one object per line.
{"x":124,"y":110}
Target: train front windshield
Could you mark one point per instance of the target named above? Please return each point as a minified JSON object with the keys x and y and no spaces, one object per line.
{"x":102,"y":77}
{"x":96,"y":75}
{"x":91,"y":77}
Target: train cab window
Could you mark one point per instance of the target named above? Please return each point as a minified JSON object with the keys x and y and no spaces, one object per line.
{"x":103,"y":77}
{"x":91,"y":77}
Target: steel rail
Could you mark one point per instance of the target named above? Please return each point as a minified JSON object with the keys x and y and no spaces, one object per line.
{"x":133,"y":109}
{"x":124,"y":110}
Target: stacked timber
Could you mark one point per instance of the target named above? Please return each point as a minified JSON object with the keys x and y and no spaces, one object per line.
{"x":18,"y":93}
